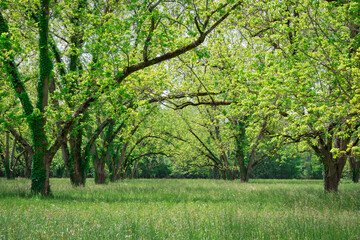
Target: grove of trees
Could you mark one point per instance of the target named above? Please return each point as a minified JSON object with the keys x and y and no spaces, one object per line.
{"x":117,"y":89}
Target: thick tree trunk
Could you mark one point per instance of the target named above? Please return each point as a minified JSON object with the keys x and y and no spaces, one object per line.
{"x":100,"y":175}
{"x":78,"y":176}
{"x":331,"y":178}
{"x":40,"y":171}
{"x":333,"y":169}
{"x":243,"y":177}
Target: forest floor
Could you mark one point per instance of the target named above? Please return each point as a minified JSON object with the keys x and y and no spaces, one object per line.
{"x":180,"y":209}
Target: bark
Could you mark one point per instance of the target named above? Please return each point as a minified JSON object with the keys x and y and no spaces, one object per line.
{"x":12,"y":161}
{"x":66,"y":157}
{"x":41,"y":162}
{"x":28,"y":160}
{"x":77,"y":176}
{"x":99,"y":163}
{"x":99,"y":166}
{"x":7,"y":156}
{"x":134,"y":170}
{"x":333,"y":170}
{"x":355,"y":167}
{"x":243,"y":173}
{"x":223,"y":174}
{"x":333,"y":166}
{"x":117,"y":163}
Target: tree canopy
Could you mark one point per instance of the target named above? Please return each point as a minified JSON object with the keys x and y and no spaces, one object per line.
{"x":109,"y":87}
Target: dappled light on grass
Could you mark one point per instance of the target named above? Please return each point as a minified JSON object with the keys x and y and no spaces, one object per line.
{"x":181,"y":209}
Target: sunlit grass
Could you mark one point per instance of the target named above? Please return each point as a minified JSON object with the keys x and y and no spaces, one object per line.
{"x":180,"y":209}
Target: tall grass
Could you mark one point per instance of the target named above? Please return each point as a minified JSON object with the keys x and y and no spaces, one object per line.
{"x":181,"y":209}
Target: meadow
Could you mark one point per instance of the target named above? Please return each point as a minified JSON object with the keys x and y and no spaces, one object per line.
{"x":180,"y":209}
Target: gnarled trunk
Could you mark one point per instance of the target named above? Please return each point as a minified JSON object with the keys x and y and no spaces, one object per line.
{"x":333,"y":166}
{"x":99,"y":166}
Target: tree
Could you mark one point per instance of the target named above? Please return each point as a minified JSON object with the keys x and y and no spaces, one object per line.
{"x":135,"y":44}
{"x":311,"y":75}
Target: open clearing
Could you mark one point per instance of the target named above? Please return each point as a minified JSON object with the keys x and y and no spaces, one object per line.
{"x":180,"y":209}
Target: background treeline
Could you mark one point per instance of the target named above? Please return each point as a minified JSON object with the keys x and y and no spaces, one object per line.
{"x":286,"y":166}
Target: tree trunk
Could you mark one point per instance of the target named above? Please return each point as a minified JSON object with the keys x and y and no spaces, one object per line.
{"x":355,"y":167}
{"x":12,"y":160}
{"x":99,"y":166}
{"x":217,"y":173}
{"x":248,"y":172}
{"x":333,"y":169}
{"x":223,"y":173}
{"x":243,"y":177}
{"x":331,"y":177}
{"x":40,"y":171}
{"x":78,"y":176}
{"x":7,"y":156}
{"x":231,"y":174}
{"x":100,"y":175}
{"x":28,"y":160}
{"x":355,"y":176}
{"x":243,"y":172}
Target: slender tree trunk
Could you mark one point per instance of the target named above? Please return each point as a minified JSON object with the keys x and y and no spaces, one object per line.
{"x":12,"y":160}
{"x":248,"y":172}
{"x":7,"y":156}
{"x":28,"y":160}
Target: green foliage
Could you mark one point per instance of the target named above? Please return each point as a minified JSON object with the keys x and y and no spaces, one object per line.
{"x":275,"y":73}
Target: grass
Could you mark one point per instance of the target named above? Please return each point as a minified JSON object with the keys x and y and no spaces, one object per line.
{"x":180,"y":209}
